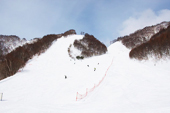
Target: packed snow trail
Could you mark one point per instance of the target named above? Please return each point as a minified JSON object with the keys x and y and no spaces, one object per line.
{"x":132,"y":87}
{"x":42,"y":82}
{"x":89,"y":90}
{"x":129,"y":87}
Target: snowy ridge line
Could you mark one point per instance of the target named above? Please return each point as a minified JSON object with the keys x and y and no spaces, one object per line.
{"x":88,"y":90}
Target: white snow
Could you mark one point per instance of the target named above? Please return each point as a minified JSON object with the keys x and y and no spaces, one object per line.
{"x":130,"y":86}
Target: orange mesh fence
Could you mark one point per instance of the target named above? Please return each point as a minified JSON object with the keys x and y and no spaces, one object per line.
{"x":88,"y":90}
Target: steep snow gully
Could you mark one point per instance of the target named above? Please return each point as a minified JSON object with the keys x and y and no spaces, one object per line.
{"x":122,"y":85}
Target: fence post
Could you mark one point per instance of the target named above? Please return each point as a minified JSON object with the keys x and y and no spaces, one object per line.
{"x":1,"y":96}
{"x":76,"y":96}
{"x":86,"y":91}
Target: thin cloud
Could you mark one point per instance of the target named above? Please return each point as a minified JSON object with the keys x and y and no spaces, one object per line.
{"x":36,"y":18}
{"x":101,"y":18}
{"x":141,"y":20}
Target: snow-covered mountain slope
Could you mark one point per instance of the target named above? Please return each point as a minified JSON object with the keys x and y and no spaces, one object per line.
{"x":129,"y":86}
{"x":9,"y":43}
{"x":142,"y":35}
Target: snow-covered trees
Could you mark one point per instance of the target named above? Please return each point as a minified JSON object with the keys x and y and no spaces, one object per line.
{"x":90,"y":46}
{"x":158,"y":46}
{"x":13,"y":61}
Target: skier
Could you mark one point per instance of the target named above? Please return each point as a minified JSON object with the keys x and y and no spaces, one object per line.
{"x":94,"y":69}
{"x":65,"y":76}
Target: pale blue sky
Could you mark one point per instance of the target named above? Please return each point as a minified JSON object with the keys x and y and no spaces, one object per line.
{"x":105,"y":19}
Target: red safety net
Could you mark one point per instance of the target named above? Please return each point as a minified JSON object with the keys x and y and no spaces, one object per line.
{"x":88,"y":90}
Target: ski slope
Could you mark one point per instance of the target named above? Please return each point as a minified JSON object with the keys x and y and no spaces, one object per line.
{"x":129,"y":86}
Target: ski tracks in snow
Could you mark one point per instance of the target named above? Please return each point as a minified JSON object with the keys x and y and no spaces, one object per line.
{"x":91,"y":92}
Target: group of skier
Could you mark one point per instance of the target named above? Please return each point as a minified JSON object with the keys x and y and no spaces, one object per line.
{"x":87,"y":66}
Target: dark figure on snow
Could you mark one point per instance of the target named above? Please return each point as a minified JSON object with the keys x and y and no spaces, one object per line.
{"x":65,"y":77}
{"x":94,"y":69}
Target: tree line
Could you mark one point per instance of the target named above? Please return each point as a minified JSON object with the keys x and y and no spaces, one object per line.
{"x":158,"y":46}
{"x":13,"y":61}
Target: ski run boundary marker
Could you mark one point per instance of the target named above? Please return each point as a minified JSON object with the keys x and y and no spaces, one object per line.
{"x":88,"y":90}
{"x":1,"y":94}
